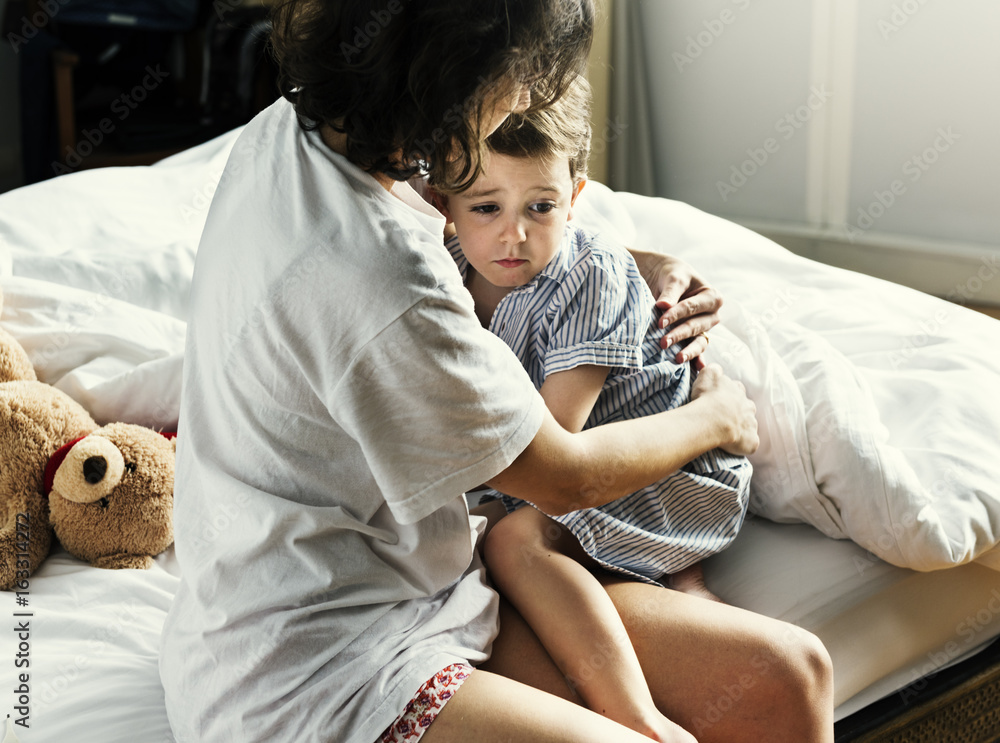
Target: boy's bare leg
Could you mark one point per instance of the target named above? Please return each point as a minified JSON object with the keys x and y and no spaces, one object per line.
{"x":537,"y":565}
{"x":726,"y":674}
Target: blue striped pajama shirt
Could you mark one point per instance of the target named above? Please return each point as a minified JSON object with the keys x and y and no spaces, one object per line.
{"x":589,"y":305}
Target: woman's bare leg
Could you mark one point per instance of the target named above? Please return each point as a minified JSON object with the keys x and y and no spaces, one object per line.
{"x":725,"y":674}
{"x":536,"y":564}
{"x":488,"y":708}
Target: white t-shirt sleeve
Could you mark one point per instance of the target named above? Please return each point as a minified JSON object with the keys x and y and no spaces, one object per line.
{"x":437,"y":404}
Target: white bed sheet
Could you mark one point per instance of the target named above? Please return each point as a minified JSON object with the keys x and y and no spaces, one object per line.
{"x":95,"y":269}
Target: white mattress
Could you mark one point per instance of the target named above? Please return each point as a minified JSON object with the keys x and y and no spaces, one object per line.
{"x":98,"y":298}
{"x":886,"y":627}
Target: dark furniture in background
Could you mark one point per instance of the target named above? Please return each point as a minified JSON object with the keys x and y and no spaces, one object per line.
{"x":128,"y":82}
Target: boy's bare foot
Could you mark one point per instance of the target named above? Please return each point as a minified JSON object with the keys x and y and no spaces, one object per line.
{"x":692,"y":580}
{"x":665,"y":731}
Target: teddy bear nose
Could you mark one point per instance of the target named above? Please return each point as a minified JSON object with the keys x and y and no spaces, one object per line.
{"x":94,"y":469}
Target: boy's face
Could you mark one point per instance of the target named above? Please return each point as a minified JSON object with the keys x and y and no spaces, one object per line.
{"x":510,"y":221}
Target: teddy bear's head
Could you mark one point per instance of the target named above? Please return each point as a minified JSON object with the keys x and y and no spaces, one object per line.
{"x":111,"y":496}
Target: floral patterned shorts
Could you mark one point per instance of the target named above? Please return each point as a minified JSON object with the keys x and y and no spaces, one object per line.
{"x":420,"y":712}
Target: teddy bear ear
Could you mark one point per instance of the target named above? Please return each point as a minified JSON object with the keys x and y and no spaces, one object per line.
{"x":172,"y":436}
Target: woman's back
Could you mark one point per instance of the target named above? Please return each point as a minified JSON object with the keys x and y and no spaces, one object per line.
{"x":320,"y":521}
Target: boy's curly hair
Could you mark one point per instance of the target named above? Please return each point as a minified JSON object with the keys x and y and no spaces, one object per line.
{"x":561,"y":130}
{"x":418,"y":76}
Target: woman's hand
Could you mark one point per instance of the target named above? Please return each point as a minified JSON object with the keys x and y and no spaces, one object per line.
{"x":735,"y":410}
{"x":690,"y":306}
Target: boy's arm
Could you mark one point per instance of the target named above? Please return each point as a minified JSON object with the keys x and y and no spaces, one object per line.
{"x":570,"y":395}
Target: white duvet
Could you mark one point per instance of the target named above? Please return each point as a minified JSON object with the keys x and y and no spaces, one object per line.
{"x":878,"y":406}
{"x":878,"y":409}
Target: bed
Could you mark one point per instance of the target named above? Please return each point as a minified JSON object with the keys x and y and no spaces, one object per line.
{"x":876,"y":509}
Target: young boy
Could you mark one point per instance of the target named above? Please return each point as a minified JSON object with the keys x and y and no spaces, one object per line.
{"x":575,"y":310}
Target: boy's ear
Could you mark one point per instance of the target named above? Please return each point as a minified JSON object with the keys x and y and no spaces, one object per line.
{"x":577,"y":188}
{"x":440,"y":202}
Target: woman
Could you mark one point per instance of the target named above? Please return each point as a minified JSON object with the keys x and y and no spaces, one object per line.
{"x":340,"y":395}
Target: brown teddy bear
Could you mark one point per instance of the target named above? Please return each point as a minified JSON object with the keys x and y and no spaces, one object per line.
{"x":106,"y":492}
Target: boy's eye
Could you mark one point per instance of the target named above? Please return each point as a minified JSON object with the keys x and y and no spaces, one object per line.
{"x":485,"y":209}
{"x":542,"y":208}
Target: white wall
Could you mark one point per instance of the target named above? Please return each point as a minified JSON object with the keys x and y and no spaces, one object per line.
{"x":862,"y":132}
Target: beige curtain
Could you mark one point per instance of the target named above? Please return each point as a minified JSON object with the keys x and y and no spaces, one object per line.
{"x":629,"y":129}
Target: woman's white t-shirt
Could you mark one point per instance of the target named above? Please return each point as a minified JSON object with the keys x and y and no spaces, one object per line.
{"x":339,"y":397}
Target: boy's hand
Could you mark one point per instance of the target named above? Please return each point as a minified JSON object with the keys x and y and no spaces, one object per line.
{"x":690,"y":306}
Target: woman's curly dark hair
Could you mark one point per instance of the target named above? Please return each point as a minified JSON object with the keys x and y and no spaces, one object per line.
{"x":561,"y":130}
{"x":418,"y":76}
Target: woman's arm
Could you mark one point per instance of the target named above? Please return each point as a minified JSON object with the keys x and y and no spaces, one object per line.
{"x":689,"y":304}
{"x":561,"y":471}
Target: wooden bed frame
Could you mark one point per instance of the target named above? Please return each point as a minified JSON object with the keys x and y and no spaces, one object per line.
{"x":959,"y":705}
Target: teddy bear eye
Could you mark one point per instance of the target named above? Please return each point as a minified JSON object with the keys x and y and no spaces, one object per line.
{"x":130,"y":467}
